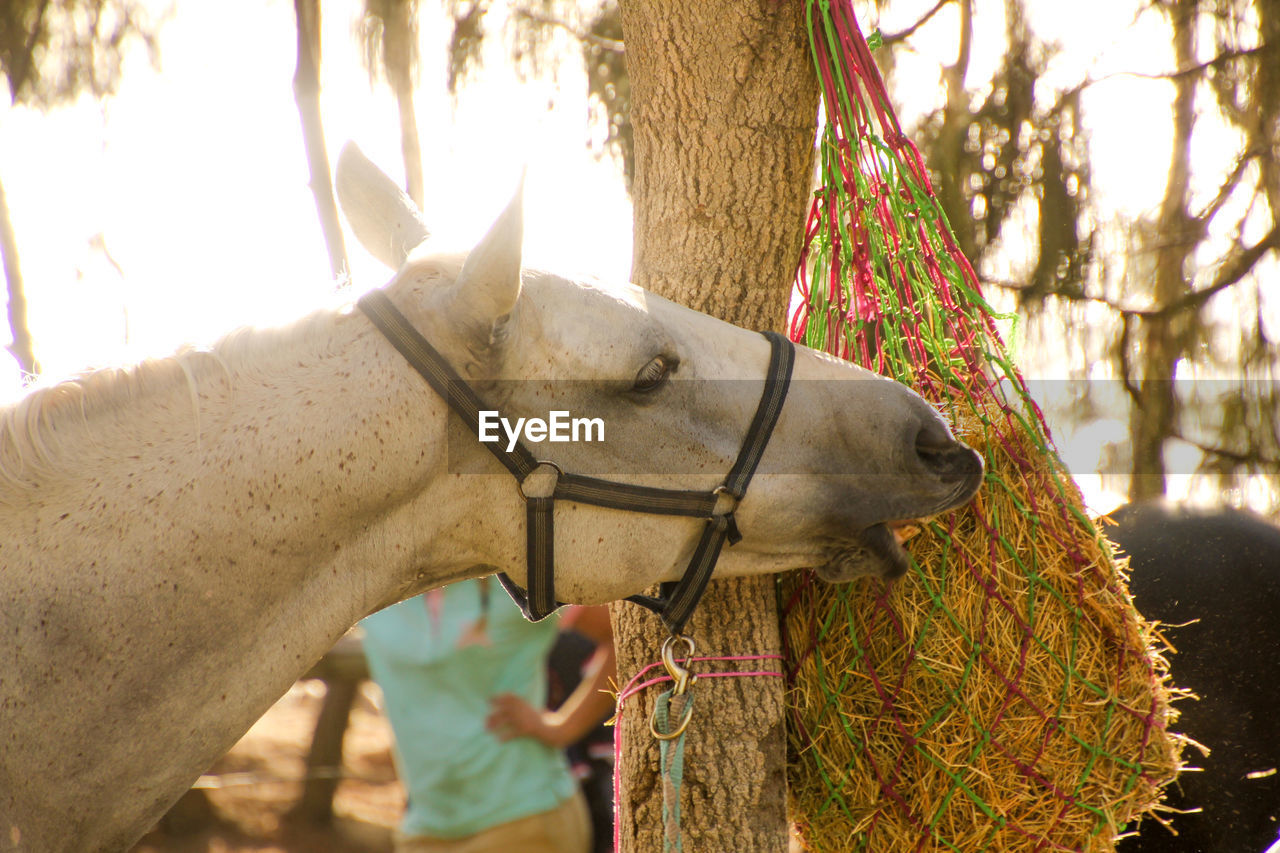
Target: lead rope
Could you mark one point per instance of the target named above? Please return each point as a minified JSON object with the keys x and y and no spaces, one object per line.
{"x":674,"y":704}
{"x":671,"y":715}
{"x":671,"y":765}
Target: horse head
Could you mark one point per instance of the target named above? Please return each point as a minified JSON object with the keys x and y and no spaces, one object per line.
{"x":853,"y":454}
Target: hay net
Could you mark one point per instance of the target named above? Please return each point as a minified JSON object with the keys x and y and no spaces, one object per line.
{"x":1004,"y":695}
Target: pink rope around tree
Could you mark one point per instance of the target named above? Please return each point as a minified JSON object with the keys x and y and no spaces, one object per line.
{"x":636,"y":685}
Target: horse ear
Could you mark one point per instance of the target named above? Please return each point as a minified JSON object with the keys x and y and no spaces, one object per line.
{"x":488,"y":286}
{"x":385,"y":220}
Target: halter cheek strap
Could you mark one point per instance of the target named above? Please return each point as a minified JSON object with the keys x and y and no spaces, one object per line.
{"x":676,"y":601}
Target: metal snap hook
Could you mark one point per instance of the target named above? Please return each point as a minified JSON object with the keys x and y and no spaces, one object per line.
{"x":682,"y":677}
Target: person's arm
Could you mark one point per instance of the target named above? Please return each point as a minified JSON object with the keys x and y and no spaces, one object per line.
{"x":511,"y":717}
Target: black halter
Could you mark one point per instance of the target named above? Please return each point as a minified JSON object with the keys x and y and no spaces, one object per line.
{"x":676,"y":600}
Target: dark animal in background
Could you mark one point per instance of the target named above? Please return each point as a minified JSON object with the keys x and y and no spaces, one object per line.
{"x":1222,"y":568}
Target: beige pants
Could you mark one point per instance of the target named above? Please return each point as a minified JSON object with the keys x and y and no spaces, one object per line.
{"x":564,"y":829}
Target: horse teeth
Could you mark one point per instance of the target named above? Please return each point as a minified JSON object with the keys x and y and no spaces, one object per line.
{"x":904,"y":531}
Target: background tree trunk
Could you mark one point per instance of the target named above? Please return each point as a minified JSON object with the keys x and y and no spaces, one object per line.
{"x":1162,"y":339}
{"x":390,"y":35}
{"x":22,"y":348}
{"x":399,"y":39}
{"x":724,"y":110}
{"x":410,"y":145}
{"x":306,"y":93}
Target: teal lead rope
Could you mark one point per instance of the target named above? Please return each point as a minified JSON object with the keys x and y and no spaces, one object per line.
{"x":671,"y":752}
{"x":671,"y":714}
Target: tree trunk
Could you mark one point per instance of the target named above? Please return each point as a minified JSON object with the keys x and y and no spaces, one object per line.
{"x":398,"y":59}
{"x":949,"y":150}
{"x":724,"y":110}
{"x":410,"y":146}
{"x":22,"y":347}
{"x":1162,"y":342}
{"x":306,"y":93}
{"x":324,"y":758}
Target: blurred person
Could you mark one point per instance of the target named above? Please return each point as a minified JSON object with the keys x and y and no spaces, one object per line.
{"x":573,"y":659}
{"x":464,"y":679}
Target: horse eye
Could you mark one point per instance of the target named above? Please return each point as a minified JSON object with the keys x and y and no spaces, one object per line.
{"x":654,"y":373}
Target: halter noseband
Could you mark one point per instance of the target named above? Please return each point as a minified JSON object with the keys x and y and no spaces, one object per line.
{"x":676,"y":600}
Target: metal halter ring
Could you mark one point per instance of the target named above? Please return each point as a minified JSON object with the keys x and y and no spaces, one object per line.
{"x":541,"y":462}
{"x":722,"y":489}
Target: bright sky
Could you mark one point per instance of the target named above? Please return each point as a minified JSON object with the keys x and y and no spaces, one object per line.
{"x":194,"y":176}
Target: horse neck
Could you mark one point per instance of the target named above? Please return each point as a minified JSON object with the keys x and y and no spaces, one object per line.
{"x":197,"y":566}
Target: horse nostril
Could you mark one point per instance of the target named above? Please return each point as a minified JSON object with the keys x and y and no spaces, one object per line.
{"x":947,"y":464}
{"x":934,"y":438}
{"x":943,"y":456}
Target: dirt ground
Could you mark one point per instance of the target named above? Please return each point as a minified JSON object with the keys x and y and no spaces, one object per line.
{"x":251,"y":790}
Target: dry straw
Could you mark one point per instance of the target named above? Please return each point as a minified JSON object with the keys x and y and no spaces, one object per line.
{"x":1005,"y":695}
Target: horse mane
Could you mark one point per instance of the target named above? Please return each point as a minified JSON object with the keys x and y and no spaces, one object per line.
{"x":52,"y":427}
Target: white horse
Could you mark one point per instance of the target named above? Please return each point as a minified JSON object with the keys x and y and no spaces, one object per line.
{"x":181,"y":540}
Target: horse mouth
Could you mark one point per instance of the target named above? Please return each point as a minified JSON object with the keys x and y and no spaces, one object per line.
{"x":877,"y":552}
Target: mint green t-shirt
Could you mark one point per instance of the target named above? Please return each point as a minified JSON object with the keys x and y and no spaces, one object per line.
{"x":438,"y":667}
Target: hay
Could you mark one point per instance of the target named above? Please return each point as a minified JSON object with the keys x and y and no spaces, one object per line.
{"x":1003,"y":696}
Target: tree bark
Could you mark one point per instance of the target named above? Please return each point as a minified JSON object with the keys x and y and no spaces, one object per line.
{"x":724,"y":109}
{"x":306,"y":93}
{"x":22,"y":348}
{"x":1163,"y":337}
